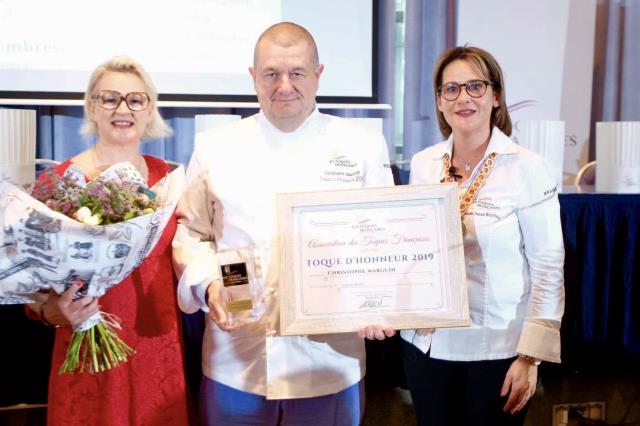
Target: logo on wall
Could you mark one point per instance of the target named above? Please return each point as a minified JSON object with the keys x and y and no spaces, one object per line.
{"x":522,"y":105}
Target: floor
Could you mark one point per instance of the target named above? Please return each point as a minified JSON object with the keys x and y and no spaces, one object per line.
{"x":585,"y":376}
{"x":385,"y":407}
{"x":392,"y":406}
{"x":389,"y":407}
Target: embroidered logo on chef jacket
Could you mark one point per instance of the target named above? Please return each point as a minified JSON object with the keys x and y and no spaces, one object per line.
{"x":342,"y":169}
{"x":342,"y":161}
{"x":491,"y":209}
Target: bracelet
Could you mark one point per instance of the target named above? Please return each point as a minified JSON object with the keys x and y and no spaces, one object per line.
{"x":530,"y":359}
{"x":43,"y":319}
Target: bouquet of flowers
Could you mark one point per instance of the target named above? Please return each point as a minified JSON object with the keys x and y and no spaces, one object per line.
{"x":100,"y":202}
{"x":98,"y":233}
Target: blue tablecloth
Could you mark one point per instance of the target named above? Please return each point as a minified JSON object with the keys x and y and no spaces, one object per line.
{"x":602,"y":270}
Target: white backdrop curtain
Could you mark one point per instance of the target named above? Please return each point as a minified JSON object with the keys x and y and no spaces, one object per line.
{"x":616,"y":66}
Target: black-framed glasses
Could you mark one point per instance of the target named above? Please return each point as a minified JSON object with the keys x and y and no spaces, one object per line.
{"x":111,"y":99}
{"x":475,"y":88}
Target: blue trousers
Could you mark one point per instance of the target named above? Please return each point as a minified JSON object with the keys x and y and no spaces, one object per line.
{"x":223,"y":405}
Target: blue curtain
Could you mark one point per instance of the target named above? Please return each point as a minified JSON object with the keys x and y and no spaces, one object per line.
{"x":385,"y":69}
{"x":59,"y":138}
{"x":430,"y":29}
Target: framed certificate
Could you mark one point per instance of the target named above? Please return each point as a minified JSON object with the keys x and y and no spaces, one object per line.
{"x":386,"y":256}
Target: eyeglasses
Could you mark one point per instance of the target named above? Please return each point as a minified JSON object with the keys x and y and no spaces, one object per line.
{"x":110,"y":99}
{"x":475,"y":89}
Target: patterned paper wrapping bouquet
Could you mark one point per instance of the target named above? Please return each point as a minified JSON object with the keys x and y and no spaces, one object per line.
{"x":41,"y":248}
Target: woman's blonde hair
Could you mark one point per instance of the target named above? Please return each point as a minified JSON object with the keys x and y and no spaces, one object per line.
{"x":157,"y":127}
{"x":488,"y":67}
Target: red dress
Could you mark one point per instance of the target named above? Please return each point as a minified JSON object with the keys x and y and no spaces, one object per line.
{"x":150,"y":388}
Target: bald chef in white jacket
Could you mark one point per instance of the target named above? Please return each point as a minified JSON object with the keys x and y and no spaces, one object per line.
{"x":252,"y":376}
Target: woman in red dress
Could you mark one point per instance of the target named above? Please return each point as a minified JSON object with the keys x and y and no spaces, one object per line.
{"x":148,"y":389}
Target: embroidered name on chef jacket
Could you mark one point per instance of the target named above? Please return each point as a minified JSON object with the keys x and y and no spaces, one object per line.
{"x":342,"y":169}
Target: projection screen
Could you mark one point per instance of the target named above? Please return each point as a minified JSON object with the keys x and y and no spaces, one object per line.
{"x":195,"y":50}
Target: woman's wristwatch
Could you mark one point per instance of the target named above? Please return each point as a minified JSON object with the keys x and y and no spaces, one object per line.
{"x":531,"y":360}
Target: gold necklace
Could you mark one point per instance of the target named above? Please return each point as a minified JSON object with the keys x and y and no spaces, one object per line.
{"x":466,"y":165}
